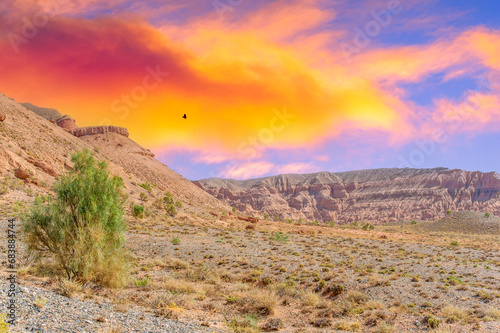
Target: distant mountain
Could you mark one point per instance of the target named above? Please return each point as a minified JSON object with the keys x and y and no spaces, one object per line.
{"x":376,"y":196}
{"x":49,"y":114}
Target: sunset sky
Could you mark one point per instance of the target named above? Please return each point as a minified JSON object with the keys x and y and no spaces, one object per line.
{"x":269,"y":87}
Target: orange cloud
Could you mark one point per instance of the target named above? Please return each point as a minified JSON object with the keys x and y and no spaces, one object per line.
{"x":229,"y":78}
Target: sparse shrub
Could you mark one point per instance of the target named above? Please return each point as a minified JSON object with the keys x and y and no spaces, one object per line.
{"x":143,"y":197}
{"x":368,"y":226}
{"x":454,"y":243}
{"x":138,"y":211}
{"x":266,"y":216}
{"x":245,"y":324}
{"x":279,"y":237}
{"x":146,"y":186}
{"x":142,"y":282}
{"x":168,"y":199}
{"x":413,"y":222}
{"x":68,"y":288}
{"x":178,"y":204}
{"x":453,"y":280}
{"x":234,"y":209}
{"x":263,"y":303}
{"x":170,"y":209}
{"x":448,"y":212}
{"x":176,"y":241}
{"x":231,"y":299}
{"x":432,"y":321}
{"x":487,"y":215}
{"x":82,"y":229}
{"x":484,"y":295}
{"x":356,"y":297}
{"x":335,"y":289}
{"x":344,"y":325}
{"x":453,"y":314}
{"x":427,"y":305}
{"x":492,"y":313}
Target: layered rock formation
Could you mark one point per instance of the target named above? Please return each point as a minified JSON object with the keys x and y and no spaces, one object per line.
{"x":94,"y":130}
{"x":380,"y":195}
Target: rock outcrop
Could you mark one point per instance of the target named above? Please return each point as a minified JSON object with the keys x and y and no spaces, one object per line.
{"x":94,"y":130}
{"x":22,"y":173}
{"x":67,"y":123}
{"x":380,"y":195}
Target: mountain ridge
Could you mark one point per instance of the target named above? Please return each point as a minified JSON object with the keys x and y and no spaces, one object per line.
{"x":375,"y":195}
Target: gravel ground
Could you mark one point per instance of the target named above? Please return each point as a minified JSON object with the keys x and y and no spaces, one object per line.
{"x":62,"y":314}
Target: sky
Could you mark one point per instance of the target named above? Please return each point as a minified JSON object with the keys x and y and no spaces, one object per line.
{"x":268,"y":87}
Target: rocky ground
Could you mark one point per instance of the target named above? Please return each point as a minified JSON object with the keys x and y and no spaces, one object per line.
{"x":228,"y":275}
{"x":42,"y":310}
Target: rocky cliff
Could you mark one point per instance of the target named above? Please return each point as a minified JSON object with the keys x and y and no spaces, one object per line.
{"x":379,"y":195}
{"x":95,"y":130}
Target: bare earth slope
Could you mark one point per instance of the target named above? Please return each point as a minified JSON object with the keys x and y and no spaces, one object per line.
{"x":378,"y":195}
{"x":140,"y":162}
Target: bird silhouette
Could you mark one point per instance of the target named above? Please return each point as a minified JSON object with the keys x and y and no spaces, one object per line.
{"x":184,"y":116}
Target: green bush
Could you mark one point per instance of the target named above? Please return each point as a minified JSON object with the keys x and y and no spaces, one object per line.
{"x":143,"y":197}
{"x":142,"y":282}
{"x":82,"y":229}
{"x":454,"y":243}
{"x":168,"y":199}
{"x":176,"y":241}
{"x":487,"y":214}
{"x":413,"y":222}
{"x":448,"y":212}
{"x":147,"y":186}
{"x":138,"y":211}
{"x":170,"y":209}
{"x":432,"y":321}
{"x":367,"y":226}
{"x":335,"y":289}
{"x":280,"y":237}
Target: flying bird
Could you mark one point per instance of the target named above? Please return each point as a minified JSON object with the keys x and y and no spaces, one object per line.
{"x":184,"y":116}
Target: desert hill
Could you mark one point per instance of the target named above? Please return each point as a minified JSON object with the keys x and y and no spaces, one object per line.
{"x":379,"y":195}
{"x":38,"y":149}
